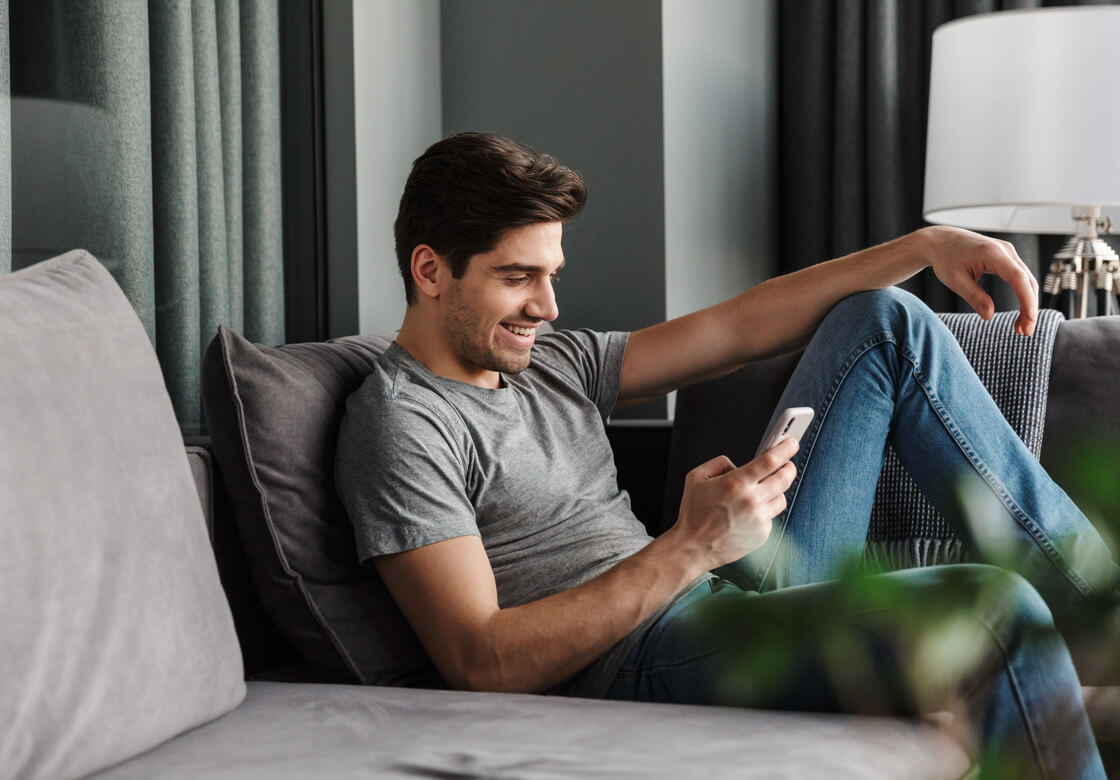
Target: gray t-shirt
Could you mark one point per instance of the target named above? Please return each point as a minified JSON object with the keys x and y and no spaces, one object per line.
{"x":527,"y":467}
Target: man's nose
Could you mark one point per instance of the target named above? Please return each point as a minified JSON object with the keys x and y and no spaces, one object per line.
{"x":542,"y":306}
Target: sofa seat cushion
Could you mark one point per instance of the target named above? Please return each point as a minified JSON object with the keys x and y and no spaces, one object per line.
{"x":289,"y":730}
{"x":116,"y":634}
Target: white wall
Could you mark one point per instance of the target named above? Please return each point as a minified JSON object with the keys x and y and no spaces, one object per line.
{"x":720,"y":144}
{"x":397,"y":115}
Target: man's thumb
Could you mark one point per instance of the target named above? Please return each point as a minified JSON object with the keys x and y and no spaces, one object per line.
{"x":715,"y":467}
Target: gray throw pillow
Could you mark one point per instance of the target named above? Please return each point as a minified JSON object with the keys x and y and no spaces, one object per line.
{"x":1081,"y":442}
{"x":273,"y":415}
{"x":116,"y":634}
{"x":1083,"y":392}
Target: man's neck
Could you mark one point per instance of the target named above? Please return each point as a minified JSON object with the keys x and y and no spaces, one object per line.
{"x":421,"y":337}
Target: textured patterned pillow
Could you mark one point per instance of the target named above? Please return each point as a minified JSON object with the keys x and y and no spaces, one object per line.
{"x":116,"y":634}
{"x":273,"y":414}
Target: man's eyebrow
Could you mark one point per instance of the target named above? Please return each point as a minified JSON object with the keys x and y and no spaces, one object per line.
{"x":522,"y":267}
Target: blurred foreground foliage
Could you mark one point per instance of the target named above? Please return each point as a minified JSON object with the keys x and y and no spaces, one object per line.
{"x":1088,"y":468}
{"x":872,"y":644}
{"x":879,"y":643}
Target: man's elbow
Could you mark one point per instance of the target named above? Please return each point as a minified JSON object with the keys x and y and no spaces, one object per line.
{"x":479,"y":680}
{"x":489,"y":677}
{"x":485,"y":671}
{"x":471,"y":667}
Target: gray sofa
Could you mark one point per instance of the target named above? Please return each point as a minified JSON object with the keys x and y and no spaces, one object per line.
{"x":146,"y":638}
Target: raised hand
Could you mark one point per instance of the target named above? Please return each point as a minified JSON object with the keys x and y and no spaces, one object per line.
{"x":960,"y":257}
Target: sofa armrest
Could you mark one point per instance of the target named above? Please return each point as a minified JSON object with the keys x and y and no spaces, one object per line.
{"x":262,"y":646}
{"x":200,"y":461}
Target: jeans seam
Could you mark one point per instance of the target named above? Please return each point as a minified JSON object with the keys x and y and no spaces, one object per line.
{"x":664,"y":667}
{"x":997,"y":486}
{"x":1019,"y":702}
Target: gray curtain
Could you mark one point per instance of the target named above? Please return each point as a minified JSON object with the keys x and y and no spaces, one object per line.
{"x":149,"y":134}
{"x":853,"y":98}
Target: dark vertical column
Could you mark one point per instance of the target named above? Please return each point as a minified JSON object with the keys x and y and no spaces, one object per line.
{"x":301,"y":161}
{"x":341,"y":188}
{"x":320,"y":213}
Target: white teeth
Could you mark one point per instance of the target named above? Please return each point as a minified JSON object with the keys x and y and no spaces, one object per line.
{"x":518,"y":330}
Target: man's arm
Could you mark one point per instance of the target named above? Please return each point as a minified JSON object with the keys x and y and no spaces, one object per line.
{"x":447,"y":591}
{"x":780,"y":315}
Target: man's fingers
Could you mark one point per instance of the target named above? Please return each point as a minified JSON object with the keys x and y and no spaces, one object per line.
{"x":1016,"y":273}
{"x":967,"y":288}
{"x":758,"y":495}
{"x":781,"y":479}
{"x":776,"y":506}
{"x":768,"y":475}
{"x":717,"y":466}
{"x":771,"y":460}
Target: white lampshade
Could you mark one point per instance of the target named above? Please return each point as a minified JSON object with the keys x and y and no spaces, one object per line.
{"x":1024,"y":119}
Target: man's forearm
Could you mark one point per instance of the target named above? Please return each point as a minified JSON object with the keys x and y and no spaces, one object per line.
{"x":535,"y":646}
{"x":779,"y":315}
{"x":800,"y":300}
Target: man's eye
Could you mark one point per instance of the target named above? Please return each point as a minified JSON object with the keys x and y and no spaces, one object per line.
{"x":555,"y":278}
{"x":517,"y":279}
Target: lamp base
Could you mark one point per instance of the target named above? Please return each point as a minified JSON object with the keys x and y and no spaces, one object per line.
{"x":1085,"y":263}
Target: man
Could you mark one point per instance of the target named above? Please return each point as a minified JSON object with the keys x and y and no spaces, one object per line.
{"x":474,"y":465}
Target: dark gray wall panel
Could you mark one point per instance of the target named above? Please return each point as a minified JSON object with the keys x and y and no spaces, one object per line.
{"x":580,"y":80}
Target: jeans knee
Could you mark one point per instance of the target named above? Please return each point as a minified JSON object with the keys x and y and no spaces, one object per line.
{"x":1008,"y":603}
{"x":889,"y":303}
{"x":891,"y":310}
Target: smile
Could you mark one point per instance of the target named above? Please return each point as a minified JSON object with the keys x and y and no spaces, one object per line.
{"x":518,"y":330}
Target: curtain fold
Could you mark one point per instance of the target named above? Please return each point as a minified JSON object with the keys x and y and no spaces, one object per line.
{"x":163,"y":161}
{"x":228,"y":23}
{"x":176,"y":229}
{"x":263,"y":229}
{"x":853,"y":100}
{"x":213,"y":279}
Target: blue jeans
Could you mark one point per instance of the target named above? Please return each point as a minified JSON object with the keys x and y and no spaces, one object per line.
{"x":881,"y":368}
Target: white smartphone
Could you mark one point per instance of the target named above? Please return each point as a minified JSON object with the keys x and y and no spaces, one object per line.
{"x":791,"y":424}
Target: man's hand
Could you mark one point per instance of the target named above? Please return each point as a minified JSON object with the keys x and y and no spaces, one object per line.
{"x":727,"y":512}
{"x":960,"y":257}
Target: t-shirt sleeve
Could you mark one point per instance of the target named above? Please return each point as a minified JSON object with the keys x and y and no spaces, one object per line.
{"x":591,"y":359}
{"x":403,"y":477}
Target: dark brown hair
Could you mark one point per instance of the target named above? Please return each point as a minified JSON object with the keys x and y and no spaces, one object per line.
{"x":468,"y":190}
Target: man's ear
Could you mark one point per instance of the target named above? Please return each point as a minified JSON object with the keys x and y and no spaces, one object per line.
{"x":425,"y":271}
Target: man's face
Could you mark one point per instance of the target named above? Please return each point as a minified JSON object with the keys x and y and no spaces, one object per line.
{"x":492,"y":313}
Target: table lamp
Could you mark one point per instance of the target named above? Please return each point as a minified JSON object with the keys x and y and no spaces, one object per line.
{"x":1024,"y":137}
